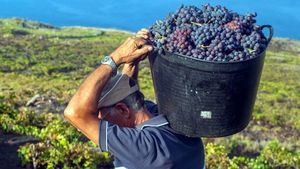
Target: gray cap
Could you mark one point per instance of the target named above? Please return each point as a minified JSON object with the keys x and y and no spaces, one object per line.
{"x":116,"y":89}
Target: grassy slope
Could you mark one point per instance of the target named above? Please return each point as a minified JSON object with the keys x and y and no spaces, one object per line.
{"x":40,"y":59}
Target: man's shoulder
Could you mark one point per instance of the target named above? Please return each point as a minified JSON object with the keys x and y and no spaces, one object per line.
{"x":168,"y":145}
{"x":154,"y":139}
{"x":158,"y":128}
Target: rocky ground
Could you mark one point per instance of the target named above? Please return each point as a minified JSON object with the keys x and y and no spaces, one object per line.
{"x":9,"y":144}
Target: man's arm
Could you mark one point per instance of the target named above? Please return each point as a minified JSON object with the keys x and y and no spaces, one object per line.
{"x":82,"y":110}
{"x":132,"y":70}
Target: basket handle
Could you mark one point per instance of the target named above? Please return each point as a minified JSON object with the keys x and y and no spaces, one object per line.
{"x":270,"y":31}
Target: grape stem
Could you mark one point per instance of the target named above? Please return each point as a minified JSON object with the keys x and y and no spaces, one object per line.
{"x":195,"y":23}
{"x":209,"y":22}
{"x":250,"y":50}
{"x":202,"y":46}
{"x":161,"y":37}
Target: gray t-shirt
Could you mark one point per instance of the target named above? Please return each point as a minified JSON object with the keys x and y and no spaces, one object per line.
{"x":151,"y":145}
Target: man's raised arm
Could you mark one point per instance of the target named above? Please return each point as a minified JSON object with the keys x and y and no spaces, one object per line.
{"x":82,"y":110}
{"x":132,"y":69}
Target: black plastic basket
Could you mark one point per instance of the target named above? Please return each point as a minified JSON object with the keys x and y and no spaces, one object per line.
{"x":204,"y":98}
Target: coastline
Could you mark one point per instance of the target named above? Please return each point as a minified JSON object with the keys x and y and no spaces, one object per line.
{"x":98,"y":28}
{"x":293,"y":40}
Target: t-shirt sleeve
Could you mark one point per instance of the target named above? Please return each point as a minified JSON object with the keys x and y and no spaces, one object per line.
{"x":130,"y":144}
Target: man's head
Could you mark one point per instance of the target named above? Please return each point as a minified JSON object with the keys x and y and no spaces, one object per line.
{"x":120,"y":101}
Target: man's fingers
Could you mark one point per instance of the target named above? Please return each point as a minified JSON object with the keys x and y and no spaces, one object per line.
{"x":144,"y":29}
{"x":142,"y":36}
{"x":140,"y":42}
{"x":143,"y":33}
{"x":145,"y":49}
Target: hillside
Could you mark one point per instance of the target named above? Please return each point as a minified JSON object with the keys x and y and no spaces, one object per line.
{"x":41,"y":66}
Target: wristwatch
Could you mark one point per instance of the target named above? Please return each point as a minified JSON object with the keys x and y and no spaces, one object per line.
{"x":107,"y":60}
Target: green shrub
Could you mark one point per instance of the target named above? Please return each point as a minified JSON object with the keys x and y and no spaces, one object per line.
{"x":60,"y":145}
{"x":63,"y":155}
{"x":216,"y":156}
{"x":277,"y":156}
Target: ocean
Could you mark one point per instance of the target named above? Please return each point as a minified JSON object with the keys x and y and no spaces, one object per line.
{"x":132,"y":15}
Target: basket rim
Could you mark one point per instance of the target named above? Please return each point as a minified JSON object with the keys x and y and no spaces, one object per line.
{"x":212,"y":62}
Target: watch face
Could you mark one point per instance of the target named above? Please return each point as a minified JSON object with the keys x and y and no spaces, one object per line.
{"x":108,"y":61}
{"x":105,"y":59}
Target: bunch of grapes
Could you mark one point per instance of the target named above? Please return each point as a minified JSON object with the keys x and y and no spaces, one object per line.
{"x":209,"y":33}
{"x":179,"y":41}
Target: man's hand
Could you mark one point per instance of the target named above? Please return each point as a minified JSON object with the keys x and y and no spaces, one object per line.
{"x":134,"y":49}
{"x":143,"y":33}
{"x":131,"y":69}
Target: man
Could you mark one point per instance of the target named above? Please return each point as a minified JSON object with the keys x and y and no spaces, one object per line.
{"x":127,"y":126}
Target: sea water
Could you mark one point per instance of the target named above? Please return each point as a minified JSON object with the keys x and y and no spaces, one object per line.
{"x":133,"y":15}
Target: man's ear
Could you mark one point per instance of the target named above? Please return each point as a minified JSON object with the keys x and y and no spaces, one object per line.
{"x":123,"y":110}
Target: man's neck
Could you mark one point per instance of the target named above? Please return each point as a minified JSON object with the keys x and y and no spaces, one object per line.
{"x":142,"y":116}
